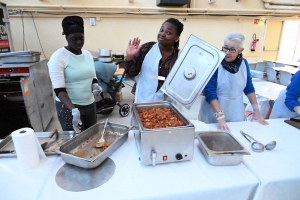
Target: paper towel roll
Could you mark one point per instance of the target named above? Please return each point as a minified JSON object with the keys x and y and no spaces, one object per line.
{"x":27,"y":147}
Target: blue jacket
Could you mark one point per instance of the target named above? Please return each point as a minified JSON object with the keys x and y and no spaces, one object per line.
{"x":293,"y":92}
{"x":210,"y":90}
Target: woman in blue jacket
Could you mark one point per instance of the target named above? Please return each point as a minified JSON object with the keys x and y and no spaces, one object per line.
{"x":287,"y":103}
{"x":224,"y":91}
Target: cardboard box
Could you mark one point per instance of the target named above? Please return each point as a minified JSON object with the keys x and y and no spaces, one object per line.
{"x":119,"y":96}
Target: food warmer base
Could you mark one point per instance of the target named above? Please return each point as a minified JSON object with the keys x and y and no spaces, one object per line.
{"x":163,"y":145}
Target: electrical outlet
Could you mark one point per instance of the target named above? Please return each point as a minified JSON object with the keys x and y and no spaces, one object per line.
{"x":93,"y":21}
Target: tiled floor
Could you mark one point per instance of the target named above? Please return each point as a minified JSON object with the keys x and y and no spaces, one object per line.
{"x":127,"y":98}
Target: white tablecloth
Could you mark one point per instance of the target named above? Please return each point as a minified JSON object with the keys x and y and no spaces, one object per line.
{"x":268,"y":89}
{"x":289,"y":69}
{"x":278,"y":169}
{"x":194,"y":179}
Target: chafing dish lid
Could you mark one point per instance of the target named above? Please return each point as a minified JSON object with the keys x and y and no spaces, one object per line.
{"x":192,"y":70}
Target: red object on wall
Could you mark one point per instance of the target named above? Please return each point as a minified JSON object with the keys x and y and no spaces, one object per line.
{"x":4,"y":44}
{"x":253,"y":44}
{"x":256,"y":21}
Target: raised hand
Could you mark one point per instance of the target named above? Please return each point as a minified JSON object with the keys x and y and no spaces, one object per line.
{"x":133,"y":48}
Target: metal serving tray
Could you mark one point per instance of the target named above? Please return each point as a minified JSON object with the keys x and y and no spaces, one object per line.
{"x":20,"y":57}
{"x":52,"y":147}
{"x":163,"y":145}
{"x":81,"y":151}
{"x":221,"y":148}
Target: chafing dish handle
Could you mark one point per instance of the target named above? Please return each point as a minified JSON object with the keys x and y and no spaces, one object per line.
{"x":153,"y":157}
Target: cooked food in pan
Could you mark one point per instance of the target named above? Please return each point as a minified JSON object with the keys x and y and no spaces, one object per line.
{"x":153,"y":118}
{"x":87,"y":148}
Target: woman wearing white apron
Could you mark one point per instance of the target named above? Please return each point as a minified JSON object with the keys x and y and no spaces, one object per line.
{"x":151,"y":60}
{"x":224,"y":92}
{"x":287,"y":104}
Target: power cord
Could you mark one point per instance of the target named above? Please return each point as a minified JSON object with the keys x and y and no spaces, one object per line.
{"x":24,"y":40}
{"x":37,"y":34}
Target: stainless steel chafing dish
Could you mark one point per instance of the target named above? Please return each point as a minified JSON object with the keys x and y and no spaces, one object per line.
{"x":84,"y":145}
{"x":221,"y":148}
{"x":163,"y":145}
{"x":188,"y":77}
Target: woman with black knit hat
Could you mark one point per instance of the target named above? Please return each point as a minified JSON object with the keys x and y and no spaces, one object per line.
{"x":73,"y":77}
{"x":153,"y":59}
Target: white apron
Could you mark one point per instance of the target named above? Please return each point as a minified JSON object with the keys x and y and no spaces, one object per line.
{"x":147,"y":80}
{"x":230,"y":88}
{"x":279,"y":108}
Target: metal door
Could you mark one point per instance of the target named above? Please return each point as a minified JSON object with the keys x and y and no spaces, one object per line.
{"x":272,"y":40}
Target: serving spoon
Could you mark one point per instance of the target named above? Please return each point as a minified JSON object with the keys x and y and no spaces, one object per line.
{"x":256,"y":146}
{"x":101,"y":141}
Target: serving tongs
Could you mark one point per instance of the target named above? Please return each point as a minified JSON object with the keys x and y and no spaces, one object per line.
{"x":45,"y":144}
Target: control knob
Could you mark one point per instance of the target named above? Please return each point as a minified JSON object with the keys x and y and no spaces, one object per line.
{"x":178,"y":156}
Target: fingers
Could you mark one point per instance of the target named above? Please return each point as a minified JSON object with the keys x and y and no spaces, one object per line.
{"x":77,"y":128}
{"x":261,"y":121}
{"x":135,"y":42}
{"x":224,"y":127}
{"x":264,"y":122}
{"x":138,"y":42}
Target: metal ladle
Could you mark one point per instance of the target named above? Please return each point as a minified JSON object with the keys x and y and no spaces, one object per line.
{"x":256,"y":146}
{"x":269,"y":146}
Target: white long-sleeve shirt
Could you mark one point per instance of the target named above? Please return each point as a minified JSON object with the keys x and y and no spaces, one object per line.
{"x":73,"y":72}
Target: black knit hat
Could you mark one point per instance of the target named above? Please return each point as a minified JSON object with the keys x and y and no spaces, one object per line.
{"x":72,"y":24}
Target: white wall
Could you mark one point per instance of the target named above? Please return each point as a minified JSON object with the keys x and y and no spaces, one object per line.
{"x":113,"y":31}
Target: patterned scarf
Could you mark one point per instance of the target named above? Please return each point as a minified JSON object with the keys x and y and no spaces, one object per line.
{"x":233,"y":67}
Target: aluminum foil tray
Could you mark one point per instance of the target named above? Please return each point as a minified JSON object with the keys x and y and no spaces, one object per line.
{"x":52,"y":147}
{"x":81,"y":151}
{"x":221,"y":148}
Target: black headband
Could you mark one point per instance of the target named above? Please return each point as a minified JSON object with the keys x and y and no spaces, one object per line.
{"x":72,"y":24}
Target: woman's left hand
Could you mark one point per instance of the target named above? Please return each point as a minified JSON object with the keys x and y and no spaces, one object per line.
{"x":258,"y":118}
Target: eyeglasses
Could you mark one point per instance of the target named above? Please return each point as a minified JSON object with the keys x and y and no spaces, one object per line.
{"x":225,"y":49}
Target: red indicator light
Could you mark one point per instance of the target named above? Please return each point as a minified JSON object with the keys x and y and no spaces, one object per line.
{"x":165,"y":158}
